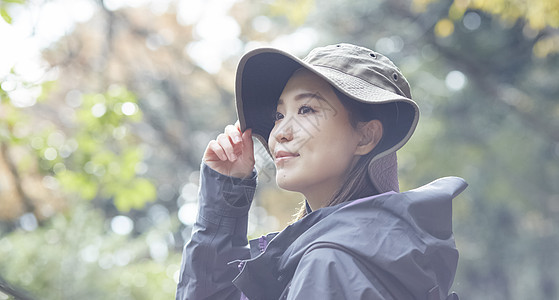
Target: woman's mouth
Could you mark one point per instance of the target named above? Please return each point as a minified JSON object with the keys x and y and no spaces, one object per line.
{"x":282,"y":156}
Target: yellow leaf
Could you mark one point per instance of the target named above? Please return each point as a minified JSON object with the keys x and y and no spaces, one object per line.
{"x":444,"y":28}
{"x":295,"y":11}
{"x":420,"y":6}
{"x":546,"y":46}
{"x":456,"y":11}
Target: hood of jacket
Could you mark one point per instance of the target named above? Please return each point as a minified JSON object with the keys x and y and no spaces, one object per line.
{"x":405,"y":238}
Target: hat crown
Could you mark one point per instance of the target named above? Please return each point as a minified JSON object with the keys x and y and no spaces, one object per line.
{"x":361,"y":63}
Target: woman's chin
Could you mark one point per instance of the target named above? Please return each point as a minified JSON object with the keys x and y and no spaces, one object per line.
{"x":287,"y":183}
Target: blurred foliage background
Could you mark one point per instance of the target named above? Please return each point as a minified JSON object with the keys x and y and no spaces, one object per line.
{"x":107,"y":105}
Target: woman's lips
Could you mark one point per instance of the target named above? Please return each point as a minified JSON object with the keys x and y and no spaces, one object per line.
{"x":281,"y":156}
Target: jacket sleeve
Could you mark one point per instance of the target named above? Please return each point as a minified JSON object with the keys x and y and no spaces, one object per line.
{"x":330,"y":273}
{"x":219,"y":236}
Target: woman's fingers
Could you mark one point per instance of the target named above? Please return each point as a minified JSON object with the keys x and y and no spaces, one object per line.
{"x":231,"y":153}
{"x":214,"y":147}
{"x":225,"y":142}
{"x":246,"y":137}
{"x":232,"y":144}
{"x":234,"y":133}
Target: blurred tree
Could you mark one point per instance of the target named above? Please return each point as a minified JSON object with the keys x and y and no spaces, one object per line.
{"x":129,"y":105}
{"x":66,"y":258}
{"x":536,"y":16}
{"x":88,"y":151}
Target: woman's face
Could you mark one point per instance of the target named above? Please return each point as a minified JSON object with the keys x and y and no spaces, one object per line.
{"x":313,"y":143}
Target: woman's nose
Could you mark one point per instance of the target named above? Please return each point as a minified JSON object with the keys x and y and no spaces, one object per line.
{"x":283,"y":132}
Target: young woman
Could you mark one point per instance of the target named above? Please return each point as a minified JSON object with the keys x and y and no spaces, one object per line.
{"x":332,"y":123}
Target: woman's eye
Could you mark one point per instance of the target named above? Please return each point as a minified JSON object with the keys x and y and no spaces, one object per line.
{"x":306,"y":110}
{"x":278,"y":116}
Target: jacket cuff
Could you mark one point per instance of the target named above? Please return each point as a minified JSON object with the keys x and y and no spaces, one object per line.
{"x":224,"y":196}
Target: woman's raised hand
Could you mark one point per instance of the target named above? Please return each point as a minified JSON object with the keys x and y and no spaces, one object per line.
{"x":232,"y":152}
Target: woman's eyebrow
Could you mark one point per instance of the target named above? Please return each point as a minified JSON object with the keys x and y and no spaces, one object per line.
{"x":303,"y":96}
{"x":309,"y":95}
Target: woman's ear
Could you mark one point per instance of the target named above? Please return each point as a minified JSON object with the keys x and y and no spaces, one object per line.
{"x":371,"y":133}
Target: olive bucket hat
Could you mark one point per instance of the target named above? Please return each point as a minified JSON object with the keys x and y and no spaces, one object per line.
{"x":359,"y":73}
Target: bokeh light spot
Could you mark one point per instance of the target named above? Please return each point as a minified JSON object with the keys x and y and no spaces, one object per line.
{"x":455,"y":80}
{"x":122,"y":225}
{"x":262,"y":24}
{"x":28,"y":222}
{"x":187,"y":213}
{"x":50,"y":154}
{"x":98,"y":110}
{"x":90,"y":254}
{"x":472,"y":21}
{"x":129,"y":108}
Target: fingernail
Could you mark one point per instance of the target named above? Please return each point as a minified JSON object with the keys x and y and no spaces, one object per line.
{"x":237,"y":139}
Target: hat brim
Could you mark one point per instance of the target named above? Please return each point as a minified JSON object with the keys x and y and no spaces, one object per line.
{"x":263,"y":73}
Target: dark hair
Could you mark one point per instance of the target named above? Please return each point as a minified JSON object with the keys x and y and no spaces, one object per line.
{"x":357,"y":183}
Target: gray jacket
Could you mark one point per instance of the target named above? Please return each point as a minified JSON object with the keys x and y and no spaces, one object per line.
{"x":388,"y":246}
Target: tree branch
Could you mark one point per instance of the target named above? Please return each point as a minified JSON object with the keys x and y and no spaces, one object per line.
{"x":27,"y":203}
{"x":15,"y":292}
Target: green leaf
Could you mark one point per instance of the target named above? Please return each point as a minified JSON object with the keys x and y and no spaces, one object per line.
{"x":47,"y":88}
{"x":145,"y":188}
{"x":78,"y":183}
{"x":5,"y":15}
{"x":136,"y":195}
